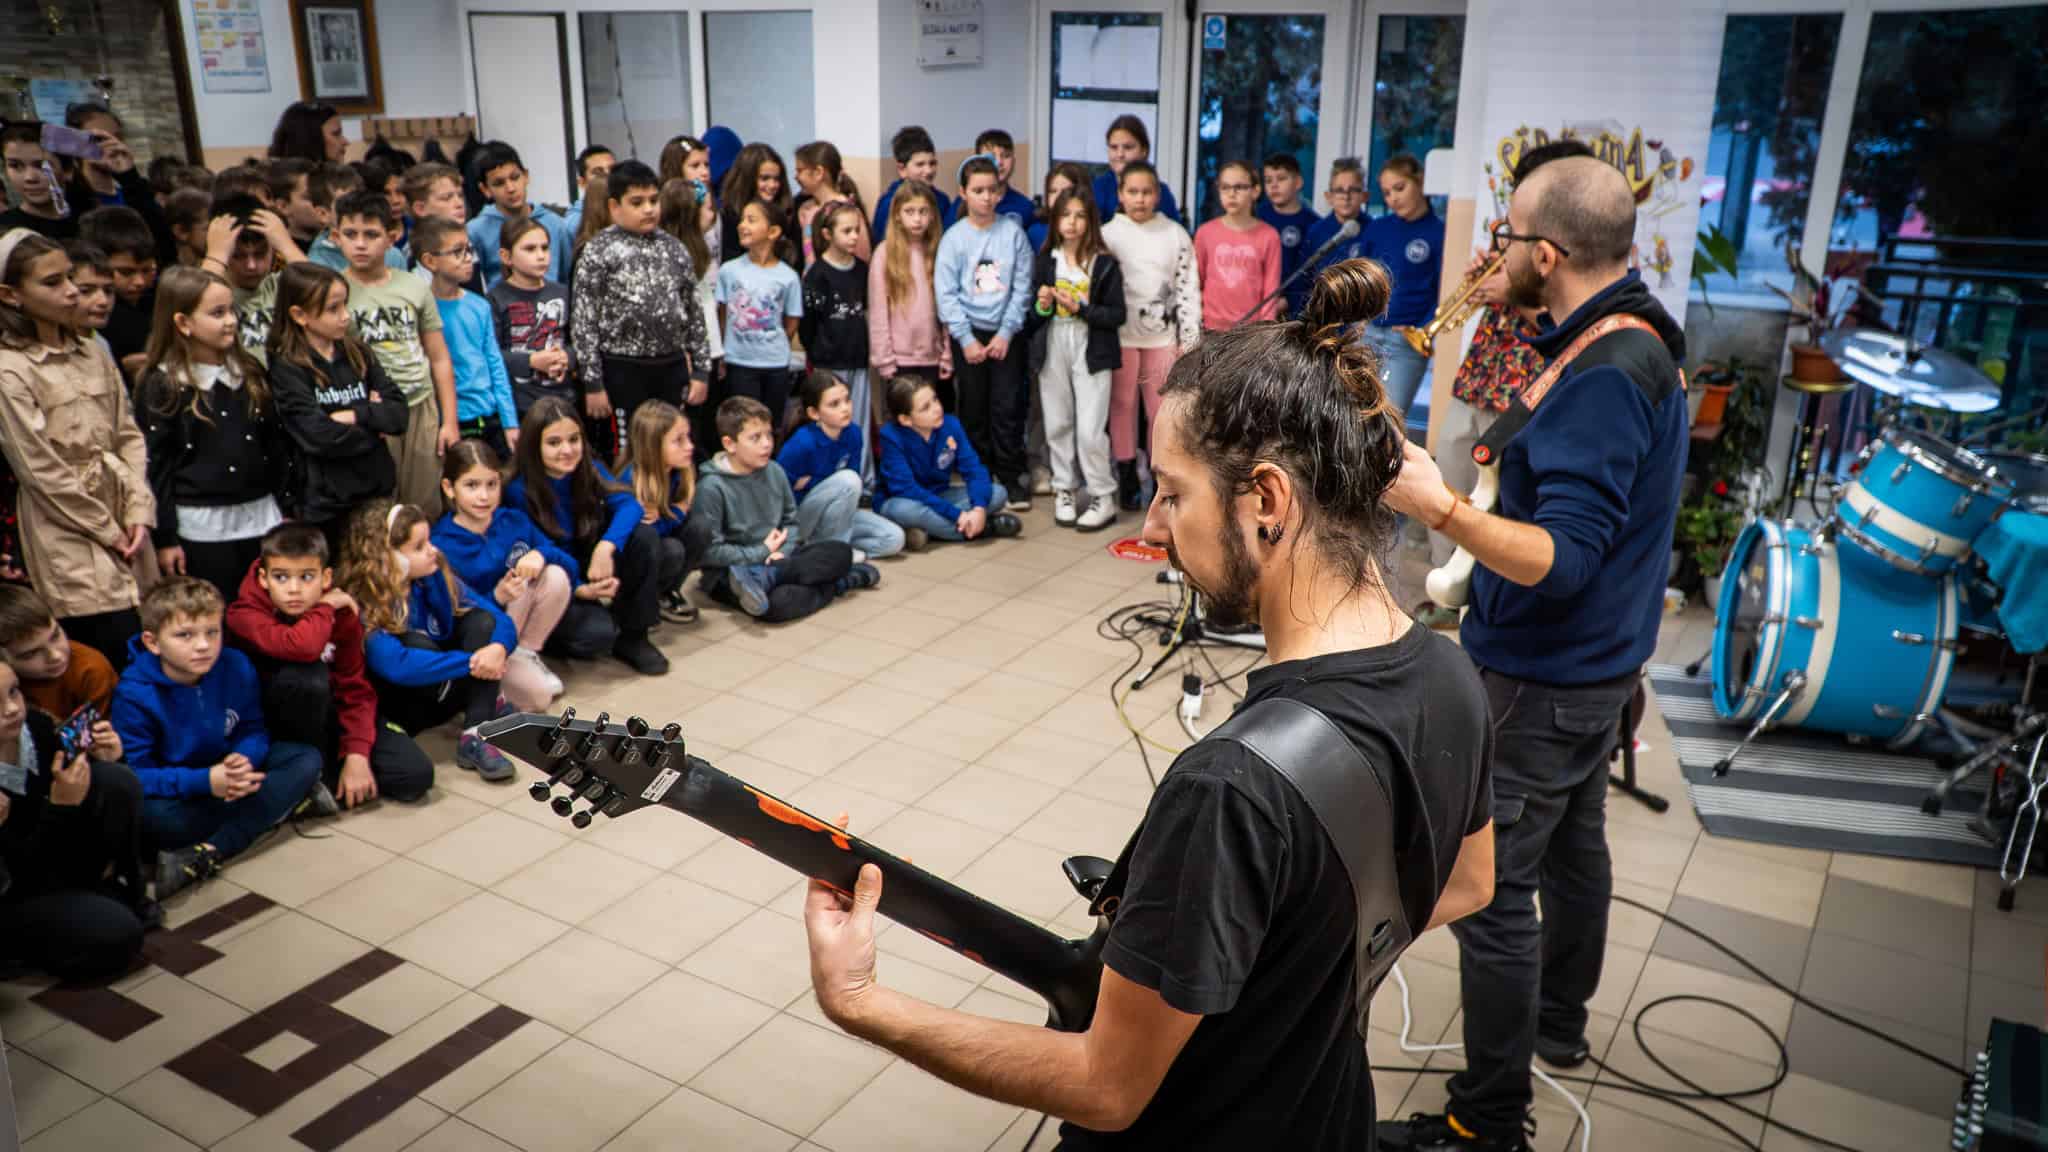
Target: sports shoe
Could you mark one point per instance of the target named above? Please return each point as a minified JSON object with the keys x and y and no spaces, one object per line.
{"x":1562,"y":1053}
{"x":1002,"y":524}
{"x":1438,"y":1132}
{"x":1019,"y":496}
{"x":548,"y":679}
{"x":473,"y":754}
{"x":1041,"y":481}
{"x":319,"y":802}
{"x":1063,"y":512}
{"x":180,"y":869}
{"x":640,"y":654}
{"x":676,"y":607}
{"x":858,"y":576}
{"x":1127,"y":485}
{"x":859,"y":557}
{"x":1101,"y":514}
{"x":916,"y":539}
{"x":750,"y":584}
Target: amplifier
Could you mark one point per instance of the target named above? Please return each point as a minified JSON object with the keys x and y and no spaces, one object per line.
{"x":2001,"y":1109}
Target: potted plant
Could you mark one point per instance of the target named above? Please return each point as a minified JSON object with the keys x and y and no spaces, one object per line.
{"x":1810,"y":362}
{"x":1712,"y":252}
{"x":1707,"y":528}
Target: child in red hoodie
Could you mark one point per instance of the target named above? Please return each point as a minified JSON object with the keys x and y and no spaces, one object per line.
{"x":307,"y":642}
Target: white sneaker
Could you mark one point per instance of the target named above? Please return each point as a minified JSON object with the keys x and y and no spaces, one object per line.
{"x":859,"y":557}
{"x":1063,"y":509}
{"x":1101,"y":514}
{"x":1041,"y":481}
{"x":548,"y":678}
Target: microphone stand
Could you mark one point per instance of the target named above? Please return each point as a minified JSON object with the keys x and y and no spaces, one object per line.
{"x":1350,"y":231}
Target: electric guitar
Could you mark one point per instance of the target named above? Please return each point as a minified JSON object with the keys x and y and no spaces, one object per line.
{"x":618,"y":769}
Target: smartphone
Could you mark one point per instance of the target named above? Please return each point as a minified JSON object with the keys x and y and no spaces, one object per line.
{"x":62,"y":141}
{"x":77,"y":731}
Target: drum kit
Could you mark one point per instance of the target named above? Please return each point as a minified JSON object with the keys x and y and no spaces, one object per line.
{"x":1852,"y":623}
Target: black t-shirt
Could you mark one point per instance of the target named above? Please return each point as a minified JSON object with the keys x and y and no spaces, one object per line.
{"x":1238,"y":908}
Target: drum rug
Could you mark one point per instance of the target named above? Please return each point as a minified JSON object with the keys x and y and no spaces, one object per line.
{"x":1814,"y":789}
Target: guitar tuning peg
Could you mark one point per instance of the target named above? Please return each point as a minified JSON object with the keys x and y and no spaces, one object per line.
{"x":559,"y":746}
{"x":581,"y":819}
{"x":603,"y":718}
{"x":672,"y":732}
{"x":562,"y":804}
{"x":540,"y":790}
{"x":636,"y":727}
{"x":568,"y":717}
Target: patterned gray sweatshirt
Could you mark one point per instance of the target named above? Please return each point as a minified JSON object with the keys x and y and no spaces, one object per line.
{"x":634,"y":296}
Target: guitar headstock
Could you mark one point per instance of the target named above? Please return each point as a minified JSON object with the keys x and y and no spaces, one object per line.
{"x":612,"y":768}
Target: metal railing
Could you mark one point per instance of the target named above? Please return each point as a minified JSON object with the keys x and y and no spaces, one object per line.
{"x":1985,"y":300}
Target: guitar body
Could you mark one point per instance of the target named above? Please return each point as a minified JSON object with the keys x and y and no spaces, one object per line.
{"x":616,"y":770}
{"x":1451,"y":585}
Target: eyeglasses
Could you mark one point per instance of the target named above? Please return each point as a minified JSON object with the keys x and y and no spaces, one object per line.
{"x":463,"y":253}
{"x":1502,"y":237}
{"x":1335,"y":190}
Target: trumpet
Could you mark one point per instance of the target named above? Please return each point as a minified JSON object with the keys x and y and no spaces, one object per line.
{"x":1453,"y":313}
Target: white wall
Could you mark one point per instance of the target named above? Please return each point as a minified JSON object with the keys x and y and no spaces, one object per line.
{"x":417,"y":44}
{"x":955,"y":104}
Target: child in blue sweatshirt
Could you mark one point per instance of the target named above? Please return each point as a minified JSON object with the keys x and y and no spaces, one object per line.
{"x":983,"y":283}
{"x":483,"y":389}
{"x":917,"y":158}
{"x":189,"y":712}
{"x":661,"y":477}
{"x":822,"y":460}
{"x":491,"y":546}
{"x":435,"y":647}
{"x":921,"y":451}
{"x":592,"y":517}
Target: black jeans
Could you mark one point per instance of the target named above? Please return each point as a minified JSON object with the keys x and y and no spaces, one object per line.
{"x":636,"y":607}
{"x":298,"y":705}
{"x":633,"y":380}
{"x":416,"y":708}
{"x":994,"y":402}
{"x":682,"y":554}
{"x":107,"y":633}
{"x":64,"y":914}
{"x":803,"y":582}
{"x":223,"y":564}
{"x":1519,"y":976}
{"x":490,"y":430}
{"x":768,"y":385}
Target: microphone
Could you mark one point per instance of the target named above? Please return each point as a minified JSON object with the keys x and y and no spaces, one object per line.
{"x":1347,"y":232}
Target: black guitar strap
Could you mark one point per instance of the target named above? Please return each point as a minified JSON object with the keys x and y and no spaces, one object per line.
{"x":1355,"y":806}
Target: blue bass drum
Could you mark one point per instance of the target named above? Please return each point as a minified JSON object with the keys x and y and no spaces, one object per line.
{"x":1875,"y":644}
{"x":1917,"y":501}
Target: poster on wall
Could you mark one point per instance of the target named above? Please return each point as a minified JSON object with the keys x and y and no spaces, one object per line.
{"x":52,"y":96}
{"x":948,"y":32}
{"x":336,"y":44}
{"x":231,"y":52}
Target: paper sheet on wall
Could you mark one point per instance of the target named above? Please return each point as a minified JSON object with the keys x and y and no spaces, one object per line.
{"x":1123,"y":56}
{"x":52,"y":96}
{"x":1078,"y":127}
{"x":231,"y":52}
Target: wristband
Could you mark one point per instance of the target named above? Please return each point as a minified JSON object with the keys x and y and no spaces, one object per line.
{"x":1041,"y":309}
{"x":1457,"y":498}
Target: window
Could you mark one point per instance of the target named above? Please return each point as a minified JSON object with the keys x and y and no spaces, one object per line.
{"x":758,"y":69}
{"x":1104,"y":65}
{"x":1415,"y":92}
{"x":1768,"y":104}
{"x":1261,"y":92}
{"x":636,"y":80}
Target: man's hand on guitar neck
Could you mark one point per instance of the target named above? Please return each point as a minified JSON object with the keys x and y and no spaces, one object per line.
{"x":1522,"y":553}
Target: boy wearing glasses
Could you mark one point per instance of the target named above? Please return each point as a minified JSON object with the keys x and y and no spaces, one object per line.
{"x":1346,"y":194}
{"x":393,"y":312}
{"x":483,"y":389}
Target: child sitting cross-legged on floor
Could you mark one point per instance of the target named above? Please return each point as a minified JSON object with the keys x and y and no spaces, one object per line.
{"x":755,"y":558}
{"x":822,"y":460}
{"x":922,"y":450}
{"x":189,"y":712}
{"x":306,"y":639}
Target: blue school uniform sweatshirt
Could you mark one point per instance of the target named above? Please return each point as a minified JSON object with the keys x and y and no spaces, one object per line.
{"x":482,"y":560}
{"x":809,"y":455}
{"x":489,"y":224}
{"x":625,"y":511}
{"x":1106,"y":202}
{"x":879,"y":227}
{"x":920,"y":469}
{"x":667,"y":523}
{"x":482,"y":386}
{"x":1598,"y":468}
{"x":983,"y":279}
{"x":430,"y":608}
{"x":1017,"y":206}
{"x":1294,"y":228}
{"x":1412,"y":252}
{"x":173,"y":734}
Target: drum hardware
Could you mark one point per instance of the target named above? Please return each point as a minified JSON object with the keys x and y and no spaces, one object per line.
{"x":2011,"y":872}
{"x":1794,"y":684}
{"x":1916,"y":638}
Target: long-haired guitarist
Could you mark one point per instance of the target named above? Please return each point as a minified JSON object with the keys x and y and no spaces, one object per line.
{"x":1564,"y":612}
{"x":1230,"y":1006}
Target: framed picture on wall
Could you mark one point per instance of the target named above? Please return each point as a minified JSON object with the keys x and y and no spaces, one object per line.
{"x":336,"y":42}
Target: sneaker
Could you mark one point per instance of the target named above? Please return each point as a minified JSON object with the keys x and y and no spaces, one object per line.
{"x":1063,"y":511}
{"x":1127,"y":485}
{"x":859,"y":576}
{"x":1019,"y":496}
{"x":1101,"y":514}
{"x":1428,"y":1132}
{"x":1041,"y":481}
{"x":750,"y":584}
{"x":319,"y":802}
{"x":548,"y":679}
{"x":1565,"y":1053}
{"x":1002,"y":524}
{"x":640,"y":654}
{"x":473,"y":754}
{"x":181,"y":869}
{"x":676,"y":607}
{"x":859,"y":557}
{"x":916,"y":539}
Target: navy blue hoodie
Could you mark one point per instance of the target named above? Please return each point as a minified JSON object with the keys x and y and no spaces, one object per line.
{"x":916,"y":468}
{"x":809,"y":456}
{"x":173,"y":734}
{"x":430,"y":608}
{"x":482,"y":560}
{"x":625,"y":511}
{"x":1597,"y":467}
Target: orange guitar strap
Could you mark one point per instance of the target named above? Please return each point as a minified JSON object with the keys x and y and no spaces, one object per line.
{"x":1522,"y":407}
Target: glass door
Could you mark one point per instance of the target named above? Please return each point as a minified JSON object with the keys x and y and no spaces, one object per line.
{"x":1105,"y":59}
{"x":1264,"y":82}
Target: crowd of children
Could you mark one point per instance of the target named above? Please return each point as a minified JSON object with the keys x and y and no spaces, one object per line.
{"x":304,"y":458}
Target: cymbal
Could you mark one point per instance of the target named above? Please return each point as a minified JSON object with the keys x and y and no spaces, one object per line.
{"x":1914,"y":373}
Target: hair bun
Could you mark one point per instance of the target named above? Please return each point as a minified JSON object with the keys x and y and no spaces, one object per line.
{"x":1347,"y":292}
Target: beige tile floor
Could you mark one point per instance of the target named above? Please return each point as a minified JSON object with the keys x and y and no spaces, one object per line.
{"x":960,"y":713}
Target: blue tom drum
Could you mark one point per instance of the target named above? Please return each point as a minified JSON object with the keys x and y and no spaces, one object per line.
{"x":1918,"y":502}
{"x":1875,"y":644}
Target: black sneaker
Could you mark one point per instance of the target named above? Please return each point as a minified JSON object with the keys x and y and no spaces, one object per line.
{"x":318,"y":802}
{"x":640,"y":654}
{"x":1437,"y":1132}
{"x":1127,"y":485}
{"x":180,"y":869}
{"x":1562,"y":1053}
{"x":1003,"y":524}
{"x":859,"y":576}
{"x":676,"y":607}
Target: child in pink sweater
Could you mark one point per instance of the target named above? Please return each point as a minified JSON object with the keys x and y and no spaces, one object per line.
{"x":904,"y":334}
{"x":1237,"y":255}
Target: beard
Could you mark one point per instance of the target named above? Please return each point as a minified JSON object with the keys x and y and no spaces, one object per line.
{"x":1525,"y":287}
{"x":1233,"y":604}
